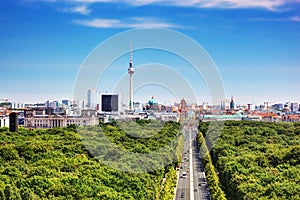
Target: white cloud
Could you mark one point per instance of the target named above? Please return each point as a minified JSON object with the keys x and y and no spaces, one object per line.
{"x":81,"y":9}
{"x":295,"y":18}
{"x":267,"y":4}
{"x":129,"y":23}
{"x":100,"y":23}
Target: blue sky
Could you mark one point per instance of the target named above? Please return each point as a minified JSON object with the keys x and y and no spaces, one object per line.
{"x":255,"y":44}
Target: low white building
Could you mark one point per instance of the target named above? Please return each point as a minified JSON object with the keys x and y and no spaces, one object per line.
{"x":41,"y":118}
{"x":58,"y":121}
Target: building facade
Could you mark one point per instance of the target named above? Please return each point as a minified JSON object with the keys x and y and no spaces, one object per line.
{"x":294,"y":107}
{"x":43,"y":118}
{"x":110,"y":102}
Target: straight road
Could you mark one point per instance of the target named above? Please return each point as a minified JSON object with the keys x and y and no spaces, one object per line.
{"x":193,"y":186}
{"x":200,"y":183}
{"x":183,"y":187}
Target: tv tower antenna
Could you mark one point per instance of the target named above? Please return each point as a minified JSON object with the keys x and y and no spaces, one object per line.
{"x":130,"y":72}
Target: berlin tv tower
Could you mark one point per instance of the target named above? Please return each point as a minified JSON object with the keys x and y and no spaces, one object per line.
{"x":130,"y":72}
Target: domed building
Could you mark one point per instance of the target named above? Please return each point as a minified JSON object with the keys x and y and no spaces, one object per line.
{"x":152,"y":104}
{"x":152,"y":101}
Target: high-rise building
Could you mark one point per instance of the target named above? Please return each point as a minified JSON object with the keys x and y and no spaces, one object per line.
{"x":109,"y":102}
{"x":79,"y":104}
{"x":130,"y":72}
{"x":91,"y":99}
{"x":13,"y":122}
{"x":232,"y":104}
{"x":294,"y":107}
{"x":223,"y":105}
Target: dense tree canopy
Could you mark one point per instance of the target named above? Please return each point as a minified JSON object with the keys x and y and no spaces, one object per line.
{"x":216,"y":192}
{"x":55,"y":164}
{"x":258,"y":160}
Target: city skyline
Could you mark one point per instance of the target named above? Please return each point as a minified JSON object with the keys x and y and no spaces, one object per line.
{"x":254,"y":45}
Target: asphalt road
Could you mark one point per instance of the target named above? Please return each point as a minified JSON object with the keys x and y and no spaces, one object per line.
{"x":194,"y":185}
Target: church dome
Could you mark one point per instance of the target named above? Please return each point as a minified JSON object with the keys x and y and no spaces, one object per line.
{"x":152,"y":101}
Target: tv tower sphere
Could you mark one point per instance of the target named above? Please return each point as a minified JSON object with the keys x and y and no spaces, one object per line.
{"x":130,"y":70}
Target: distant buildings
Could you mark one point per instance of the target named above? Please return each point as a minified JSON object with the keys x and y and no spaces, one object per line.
{"x":92,"y":99}
{"x":137,"y":106}
{"x":152,"y":105}
{"x":47,"y":118}
{"x":250,"y":107}
{"x":107,"y":106}
{"x":66,"y":102}
{"x":4,"y":121}
{"x":294,"y":107}
{"x":278,"y":106}
{"x":232,"y":104}
{"x":17,"y":105}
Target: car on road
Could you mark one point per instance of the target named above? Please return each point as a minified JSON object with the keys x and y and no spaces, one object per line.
{"x":183,"y":175}
{"x":202,"y":184}
{"x":182,"y":195}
